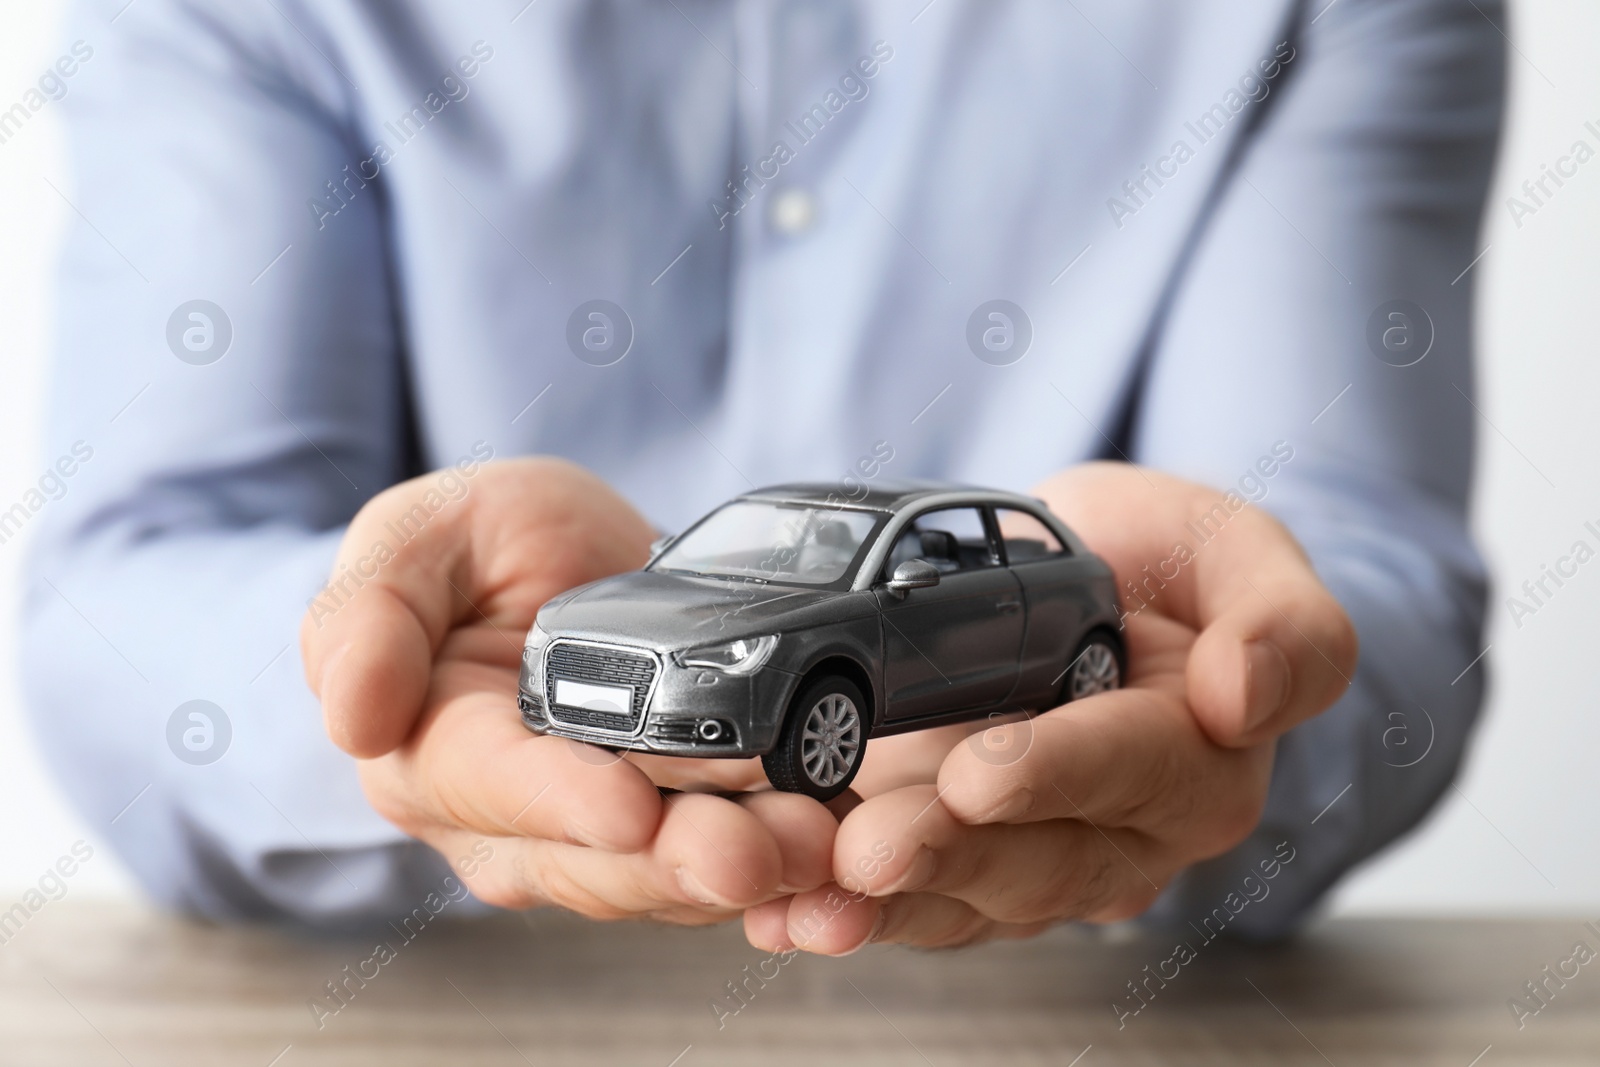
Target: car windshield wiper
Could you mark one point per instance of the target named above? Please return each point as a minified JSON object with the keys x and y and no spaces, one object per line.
{"x":714,"y":574}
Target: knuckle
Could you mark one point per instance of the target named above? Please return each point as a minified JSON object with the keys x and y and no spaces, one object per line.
{"x":1097,"y":888}
{"x":951,"y":924}
{"x":560,"y":889}
{"x":1052,"y":897}
{"x":965,"y":931}
{"x":1037,"y":905}
{"x":1074,"y":881}
{"x":1149,"y":790}
{"x":1132,"y":902}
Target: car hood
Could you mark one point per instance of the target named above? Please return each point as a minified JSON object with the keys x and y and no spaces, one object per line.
{"x":678,"y":611}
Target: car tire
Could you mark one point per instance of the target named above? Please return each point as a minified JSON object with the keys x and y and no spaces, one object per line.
{"x":1099,"y":666}
{"x":823,"y":741}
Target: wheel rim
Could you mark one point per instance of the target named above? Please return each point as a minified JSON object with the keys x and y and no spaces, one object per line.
{"x":1094,"y":671}
{"x":830,"y":740}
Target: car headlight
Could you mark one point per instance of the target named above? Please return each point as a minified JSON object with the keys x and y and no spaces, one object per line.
{"x":744,"y":656}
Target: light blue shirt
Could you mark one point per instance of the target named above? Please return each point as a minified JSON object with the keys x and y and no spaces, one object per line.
{"x":398,"y":217}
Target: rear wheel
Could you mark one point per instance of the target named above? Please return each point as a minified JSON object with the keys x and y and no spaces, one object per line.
{"x":1097,"y":668}
{"x":824,"y":738}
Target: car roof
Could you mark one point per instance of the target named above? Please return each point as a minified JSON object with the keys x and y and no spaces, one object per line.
{"x":880,"y":494}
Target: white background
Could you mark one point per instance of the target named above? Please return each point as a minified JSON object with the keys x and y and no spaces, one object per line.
{"x":1521,"y":834}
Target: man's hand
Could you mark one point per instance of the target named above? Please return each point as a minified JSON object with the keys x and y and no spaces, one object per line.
{"x":416,"y":660}
{"x":1087,"y":811}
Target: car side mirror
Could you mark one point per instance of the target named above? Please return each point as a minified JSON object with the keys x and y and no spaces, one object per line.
{"x":913,"y":574}
{"x":660,"y":545}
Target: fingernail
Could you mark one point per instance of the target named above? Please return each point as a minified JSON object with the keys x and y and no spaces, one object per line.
{"x":691,"y":886}
{"x":877,"y":926}
{"x":1013,"y":806}
{"x":1266,"y":682}
{"x":918,"y":874}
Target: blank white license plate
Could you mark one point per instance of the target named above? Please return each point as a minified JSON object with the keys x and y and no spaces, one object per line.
{"x":594,"y":697}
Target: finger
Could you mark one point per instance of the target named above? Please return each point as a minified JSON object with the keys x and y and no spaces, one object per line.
{"x":929,"y":920}
{"x":710,"y":856}
{"x":906,"y":759}
{"x":803,"y":830}
{"x":766,"y":926}
{"x":1133,"y":759}
{"x":474,"y":765}
{"x":1029,"y":873}
{"x":414,"y":562}
{"x":830,"y":921}
{"x":692,"y":916}
{"x":709,"y":852}
{"x":1282,"y":649}
{"x":924,"y":920}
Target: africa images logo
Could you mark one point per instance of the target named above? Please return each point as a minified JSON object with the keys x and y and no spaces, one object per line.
{"x":199,"y":732}
{"x":199,"y":332}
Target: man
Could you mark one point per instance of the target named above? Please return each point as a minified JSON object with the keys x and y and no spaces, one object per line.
{"x":698,"y":247}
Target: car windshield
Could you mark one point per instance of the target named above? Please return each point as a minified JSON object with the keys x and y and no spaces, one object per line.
{"x":784,"y":543}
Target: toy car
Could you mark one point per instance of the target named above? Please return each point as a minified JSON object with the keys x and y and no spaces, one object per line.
{"x":793,"y":625}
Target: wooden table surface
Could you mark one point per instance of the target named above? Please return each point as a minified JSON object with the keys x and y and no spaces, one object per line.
{"x":87,"y":983}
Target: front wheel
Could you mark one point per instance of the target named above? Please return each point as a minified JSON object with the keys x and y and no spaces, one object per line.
{"x":824,"y":738}
{"x":1097,"y":668}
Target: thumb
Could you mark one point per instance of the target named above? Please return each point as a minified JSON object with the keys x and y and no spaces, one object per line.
{"x":1279,"y":651}
{"x":368,"y":637}
{"x":424,"y":557}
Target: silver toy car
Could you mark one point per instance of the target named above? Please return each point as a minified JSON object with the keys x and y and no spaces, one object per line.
{"x":793,"y":625}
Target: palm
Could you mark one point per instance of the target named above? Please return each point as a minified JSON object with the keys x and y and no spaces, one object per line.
{"x":418,"y":678}
{"x":517,"y":555}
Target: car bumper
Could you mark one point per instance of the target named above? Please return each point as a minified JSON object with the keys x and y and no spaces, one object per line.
{"x":677,"y":705}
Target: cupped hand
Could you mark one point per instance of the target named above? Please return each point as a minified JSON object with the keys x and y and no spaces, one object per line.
{"x":414,"y":650}
{"x":1088,"y":810}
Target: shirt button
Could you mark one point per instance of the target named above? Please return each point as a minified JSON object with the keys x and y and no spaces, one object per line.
{"x":794,"y":211}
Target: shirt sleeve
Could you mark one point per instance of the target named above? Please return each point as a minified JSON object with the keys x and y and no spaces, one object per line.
{"x":1358,"y":198}
{"x":228,"y":387}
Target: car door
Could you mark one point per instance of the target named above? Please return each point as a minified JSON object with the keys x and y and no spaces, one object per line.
{"x":955,"y":645}
{"x":1058,"y":594}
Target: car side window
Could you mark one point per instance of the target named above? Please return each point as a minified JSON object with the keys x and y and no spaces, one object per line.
{"x":952,"y":539}
{"x":1026,"y":538}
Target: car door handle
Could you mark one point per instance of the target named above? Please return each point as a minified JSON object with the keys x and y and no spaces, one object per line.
{"x":1009,"y":607}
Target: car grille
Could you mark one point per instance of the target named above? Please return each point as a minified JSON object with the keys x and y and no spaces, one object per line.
{"x":598,"y":665}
